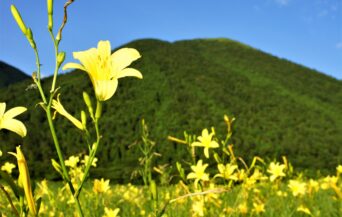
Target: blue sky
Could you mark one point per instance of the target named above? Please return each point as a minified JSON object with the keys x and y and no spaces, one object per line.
{"x":308,"y":32}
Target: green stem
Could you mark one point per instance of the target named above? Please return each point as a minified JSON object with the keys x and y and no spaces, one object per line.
{"x":92,"y":155}
{"x":56,"y":62}
{"x":37,"y":81}
{"x":9,"y":200}
{"x":60,"y":157}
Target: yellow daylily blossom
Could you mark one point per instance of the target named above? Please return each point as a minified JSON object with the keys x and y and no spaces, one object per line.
{"x":24,"y":178}
{"x":57,"y":105}
{"x":8,"y":122}
{"x":205,"y":140}
{"x":72,"y":161}
{"x":111,"y":213}
{"x":276,"y":170}
{"x":198,"y":172}
{"x":298,"y":188}
{"x":258,"y":207}
{"x":86,"y":158}
{"x":8,"y":167}
{"x":227,"y":171}
{"x":104,"y":68}
{"x":101,"y":186}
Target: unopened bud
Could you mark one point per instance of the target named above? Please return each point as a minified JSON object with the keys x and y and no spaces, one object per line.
{"x":98,"y":110}
{"x":60,"y":58}
{"x":87,"y":101}
{"x":29,"y":36}
{"x":18,"y":19}
{"x":84,"y":119}
{"x":50,"y":14}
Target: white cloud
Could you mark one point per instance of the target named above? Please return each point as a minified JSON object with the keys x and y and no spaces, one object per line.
{"x":339,"y":45}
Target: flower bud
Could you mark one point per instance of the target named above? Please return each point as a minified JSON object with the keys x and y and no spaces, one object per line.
{"x":24,"y":179}
{"x":29,"y":36}
{"x":50,"y":14}
{"x":18,"y":19}
{"x":60,"y":58}
{"x":87,"y":101}
{"x":84,"y":119}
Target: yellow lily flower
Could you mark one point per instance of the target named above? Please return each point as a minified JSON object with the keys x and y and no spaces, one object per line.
{"x":276,"y":170}
{"x":111,"y":213}
{"x":227,"y":171}
{"x":198,"y":172}
{"x":8,"y":167}
{"x":206,"y":141}
{"x":298,"y":188}
{"x":101,"y":186}
{"x":104,"y":68}
{"x":57,"y":105}
{"x":8,"y":122}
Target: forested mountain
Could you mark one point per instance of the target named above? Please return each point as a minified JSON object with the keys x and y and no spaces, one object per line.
{"x":10,"y":75}
{"x":281,"y":108}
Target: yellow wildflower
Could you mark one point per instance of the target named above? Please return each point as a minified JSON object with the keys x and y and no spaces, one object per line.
{"x":101,"y":186}
{"x":198,"y":208}
{"x":328,"y":182}
{"x":243,"y":208}
{"x":198,"y":172}
{"x":8,"y":167}
{"x":304,"y":209}
{"x":104,"y":68}
{"x":8,"y":122}
{"x":339,"y":169}
{"x":206,"y":141}
{"x":258,"y":207}
{"x":57,"y":105}
{"x":227,"y":171}
{"x":298,"y":188}
{"x":276,"y":170}
{"x":110,"y":212}
{"x":72,"y":161}
{"x":86,"y":158}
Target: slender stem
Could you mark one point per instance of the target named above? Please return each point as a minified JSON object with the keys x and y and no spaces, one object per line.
{"x":56,"y":62}
{"x":60,"y":157}
{"x":37,"y":81}
{"x":9,"y":200}
{"x":92,"y":155}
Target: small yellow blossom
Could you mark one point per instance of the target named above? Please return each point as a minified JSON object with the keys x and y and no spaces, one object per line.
{"x":101,"y":186}
{"x":313,"y":186}
{"x":298,"y":188}
{"x":104,"y":68}
{"x":206,"y":141}
{"x":198,"y":172}
{"x":8,"y":167}
{"x":8,"y":122}
{"x":258,"y":207}
{"x":86,"y":158}
{"x":242,"y":208}
{"x":110,"y":212}
{"x":72,"y":161}
{"x":57,"y":105}
{"x":339,"y":169}
{"x":276,"y":170}
{"x":329,"y":181}
{"x":198,"y":208}
{"x":227,"y":171}
{"x":304,"y":209}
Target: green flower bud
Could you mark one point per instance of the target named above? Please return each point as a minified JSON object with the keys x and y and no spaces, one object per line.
{"x":84,"y":119}
{"x":87,"y":101}
{"x":50,"y":14}
{"x":18,"y":19}
{"x":60,"y":58}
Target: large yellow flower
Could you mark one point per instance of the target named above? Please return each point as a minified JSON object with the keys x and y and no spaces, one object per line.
{"x":206,"y":141}
{"x":104,"y":68}
{"x":198,"y":172}
{"x":8,"y":122}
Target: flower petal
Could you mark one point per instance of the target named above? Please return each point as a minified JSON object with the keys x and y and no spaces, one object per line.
{"x":14,"y":126}
{"x":103,"y":49}
{"x":14,"y":112}
{"x":105,"y":89}
{"x":88,"y":58}
{"x":130,"y":72}
{"x":2,"y":109}
{"x":73,"y":66}
{"x":124,"y":57}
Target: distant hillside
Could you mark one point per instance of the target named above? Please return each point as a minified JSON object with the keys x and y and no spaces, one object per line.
{"x":10,"y":75}
{"x":281,"y":108}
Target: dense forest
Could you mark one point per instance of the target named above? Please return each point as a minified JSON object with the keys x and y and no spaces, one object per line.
{"x":281,"y":108}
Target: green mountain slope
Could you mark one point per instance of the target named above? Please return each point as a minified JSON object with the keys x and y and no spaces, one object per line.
{"x":10,"y":75}
{"x":281,"y":108}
